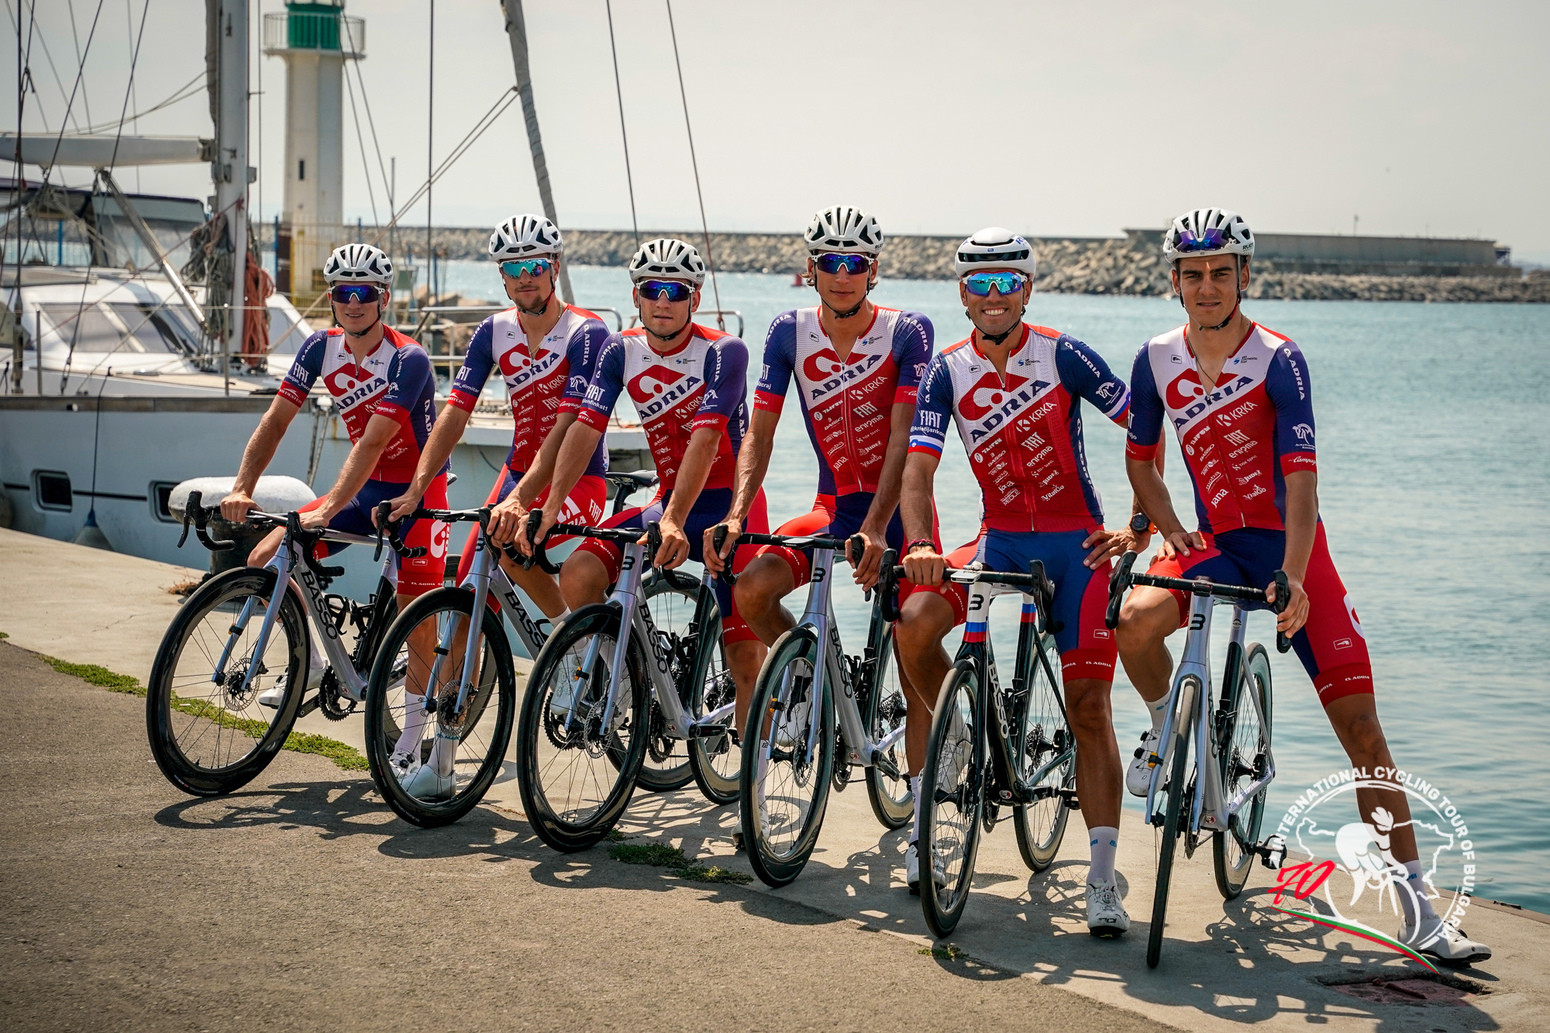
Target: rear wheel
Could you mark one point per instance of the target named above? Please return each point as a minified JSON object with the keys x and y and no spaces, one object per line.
{"x":952,"y":789}
{"x":787,"y":757}
{"x":577,"y":764}
{"x":1174,"y":795}
{"x":1045,"y":753}
{"x":415,"y":685}
{"x":888,"y":791}
{"x":1244,"y":759}
{"x":210,"y":729}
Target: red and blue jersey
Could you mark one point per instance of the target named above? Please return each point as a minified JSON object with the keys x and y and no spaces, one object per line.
{"x":536,"y":377}
{"x":1023,"y":430}
{"x":702,"y":383}
{"x":394,"y":381}
{"x":847,"y":404}
{"x":1241,"y":439}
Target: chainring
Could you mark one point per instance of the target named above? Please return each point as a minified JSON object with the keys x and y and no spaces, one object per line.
{"x":335,"y":705}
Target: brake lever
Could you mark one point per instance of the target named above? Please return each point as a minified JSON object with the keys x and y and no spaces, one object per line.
{"x":888,"y":585}
{"x":718,"y":538}
{"x":1278,"y":606}
{"x":192,"y":506}
{"x":1118,"y":582}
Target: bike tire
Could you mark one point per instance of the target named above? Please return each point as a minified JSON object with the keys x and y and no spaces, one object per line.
{"x":212,"y":738}
{"x":576,"y":777}
{"x":483,"y":729}
{"x":952,"y":789}
{"x":671,"y":595}
{"x":886,"y":709}
{"x":1243,"y":757}
{"x":1041,"y":737}
{"x":783,"y":811}
{"x":1174,"y":814}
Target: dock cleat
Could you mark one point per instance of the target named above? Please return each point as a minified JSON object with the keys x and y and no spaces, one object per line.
{"x":1437,"y":939}
{"x":1138,"y":777}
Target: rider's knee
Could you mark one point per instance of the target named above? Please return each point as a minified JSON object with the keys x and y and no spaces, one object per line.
{"x":1087,"y":707}
{"x":924,"y":620}
{"x":761,"y":585}
{"x":583,"y":580}
{"x":1145,"y":622}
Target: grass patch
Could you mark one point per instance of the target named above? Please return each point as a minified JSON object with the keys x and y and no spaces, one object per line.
{"x":659,"y":855}
{"x":344,"y":756}
{"x":5,"y":634}
{"x":942,"y":951}
{"x":616,"y":835}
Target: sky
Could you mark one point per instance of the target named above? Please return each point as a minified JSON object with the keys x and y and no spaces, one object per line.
{"x":1397,"y":118}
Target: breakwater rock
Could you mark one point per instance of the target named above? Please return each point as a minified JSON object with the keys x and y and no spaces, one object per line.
{"x":1067,"y":265}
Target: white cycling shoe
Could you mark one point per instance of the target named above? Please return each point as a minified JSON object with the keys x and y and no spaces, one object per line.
{"x":1138,"y":777}
{"x":912,"y":870}
{"x":427,"y":784}
{"x":1435,"y":938}
{"x":272,"y":698}
{"x":404,"y":763}
{"x":1106,"y":917}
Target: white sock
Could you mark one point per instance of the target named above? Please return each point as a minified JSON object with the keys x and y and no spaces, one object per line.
{"x":1416,"y":904}
{"x":559,"y":618}
{"x":1159,"y":711}
{"x":1103,"y":841}
{"x":915,"y":792}
{"x":443,"y":753}
{"x":414,"y":725}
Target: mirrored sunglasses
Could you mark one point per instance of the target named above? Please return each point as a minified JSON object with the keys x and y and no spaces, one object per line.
{"x":530,"y":266}
{"x":855,"y":265}
{"x":1211,"y":240}
{"x":657,"y":290}
{"x":355,"y":293}
{"x":1005,"y":283}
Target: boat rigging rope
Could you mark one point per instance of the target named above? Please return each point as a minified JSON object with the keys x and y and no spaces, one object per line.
{"x":704,"y":226}
{"x":619,"y":92}
{"x":360,"y":142}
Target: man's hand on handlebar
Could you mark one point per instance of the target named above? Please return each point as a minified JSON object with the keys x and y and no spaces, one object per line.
{"x":924,"y":565}
{"x":718,"y":560}
{"x":527,"y":545}
{"x":675,"y":545}
{"x":404,"y":505}
{"x":507,"y":521}
{"x":869,"y":564}
{"x":312,"y":520}
{"x":234,"y":507}
{"x":1291,"y":619}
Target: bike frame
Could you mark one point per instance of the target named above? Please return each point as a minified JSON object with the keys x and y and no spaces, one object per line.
{"x":1191,"y":697}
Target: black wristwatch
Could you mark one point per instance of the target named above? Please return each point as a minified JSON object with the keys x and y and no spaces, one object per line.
{"x":1140,"y":524}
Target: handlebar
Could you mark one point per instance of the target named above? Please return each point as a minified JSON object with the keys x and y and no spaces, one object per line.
{"x":1123,"y":578}
{"x":1035,"y":582}
{"x":851,"y":547}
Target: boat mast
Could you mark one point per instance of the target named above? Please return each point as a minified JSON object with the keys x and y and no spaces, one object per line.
{"x":516,"y":31}
{"x":229,"y":170}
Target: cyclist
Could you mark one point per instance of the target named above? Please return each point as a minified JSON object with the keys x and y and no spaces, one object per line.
{"x":1239,"y":396}
{"x":1014,"y":390}
{"x":688,"y":385}
{"x":857,"y":366}
{"x":539,"y":345}
{"x":383,"y":389}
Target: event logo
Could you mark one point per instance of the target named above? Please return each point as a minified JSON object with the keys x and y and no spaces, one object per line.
{"x":1350,"y":865}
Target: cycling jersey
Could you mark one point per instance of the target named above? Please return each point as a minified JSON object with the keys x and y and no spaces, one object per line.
{"x":699,"y":384}
{"x":536,"y":379}
{"x":1241,"y":440}
{"x":1023,"y":431}
{"x":847,"y":404}
{"x":584,"y":505}
{"x":395,"y":381}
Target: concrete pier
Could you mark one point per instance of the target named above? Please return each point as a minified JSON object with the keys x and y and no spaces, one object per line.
{"x":302,"y":902}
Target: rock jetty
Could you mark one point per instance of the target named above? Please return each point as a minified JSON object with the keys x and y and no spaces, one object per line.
{"x":1068,"y":265}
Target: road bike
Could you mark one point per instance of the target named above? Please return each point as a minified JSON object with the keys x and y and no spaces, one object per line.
{"x":993,"y":746}
{"x":611,"y":686}
{"x":234,"y":669}
{"x":796,"y":756}
{"x":1229,"y":731}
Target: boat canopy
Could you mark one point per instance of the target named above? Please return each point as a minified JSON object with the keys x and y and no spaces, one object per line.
{"x":48,"y":150}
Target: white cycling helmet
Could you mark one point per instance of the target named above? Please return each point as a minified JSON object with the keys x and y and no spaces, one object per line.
{"x":845,"y":229}
{"x":358,"y":263}
{"x":1208,"y":231}
{"x":995,"y":248}
{"x":525,"y":236}
{"x":669,"y":259}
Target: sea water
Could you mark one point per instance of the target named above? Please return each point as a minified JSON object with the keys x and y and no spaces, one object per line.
{"x":1434,"y":485}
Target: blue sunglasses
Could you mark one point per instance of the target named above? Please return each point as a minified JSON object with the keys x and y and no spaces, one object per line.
{"x":1211,"y":240}
{"x":979,"y":284}
{"x":531,"y":266}
{"x":355,"y":293}
{"x":830,"y":263}
{"x":657,"y":290}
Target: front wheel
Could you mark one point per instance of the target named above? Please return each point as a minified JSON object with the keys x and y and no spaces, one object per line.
{"x":671,"y":596}
{"x":217,"y":707}
{"x":447,"y":756}
{"x":952,"y":792}
{"x":1045,"y":754}
{"x":577,"y":762}
{"x":1244,"y":759}
{"x":787,"y":757}
{"x":1176,"y":795}
{"x":885,"y":713}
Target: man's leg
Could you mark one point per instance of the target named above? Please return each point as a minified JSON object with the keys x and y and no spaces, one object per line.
{"x":760,"y":588}
{"x":925,"y":618}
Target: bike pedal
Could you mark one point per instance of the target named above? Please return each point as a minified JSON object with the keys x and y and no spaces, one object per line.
{"x":1068,"y":797}
{"x":1272,"y":852}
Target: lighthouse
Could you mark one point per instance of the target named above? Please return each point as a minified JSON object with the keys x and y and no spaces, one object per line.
{"x":314,"y":40}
